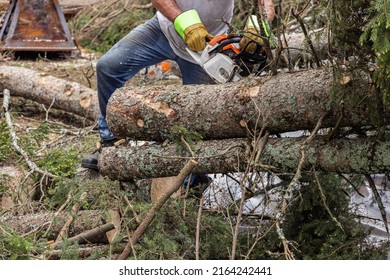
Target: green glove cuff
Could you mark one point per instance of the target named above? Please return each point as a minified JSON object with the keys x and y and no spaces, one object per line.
{"x":185,"y":20}
{"x":266,"y":27}
{"x":254,"y":22}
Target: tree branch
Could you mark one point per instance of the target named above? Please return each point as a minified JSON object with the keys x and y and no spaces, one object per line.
{"x":30,"y":164}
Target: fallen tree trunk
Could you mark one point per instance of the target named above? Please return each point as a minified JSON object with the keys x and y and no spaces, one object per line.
{"x":47,"y":221}
{"x":31,"y":108}
{"x":365,"y":156}
{"x":50,"y":91}
{"x":91,"y":236}
{"x":285,"y":102}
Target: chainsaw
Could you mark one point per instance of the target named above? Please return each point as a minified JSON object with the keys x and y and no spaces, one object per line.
{"x":224,"y":61}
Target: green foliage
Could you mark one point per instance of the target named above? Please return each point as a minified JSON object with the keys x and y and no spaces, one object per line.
{"x":63,"y":188}
{"x":69,"y":251}
{"x":107,"y":191}
{"x":15,"y":247}
{"x":3,"y":187}
{"x":32,"y":140}
{"x":361,"y":29}
{"x":377,"y":34}
{"x":172,"y":234}
{"x":216,"y":237}
{"x":314,"y":231}
{"x":347,"y":21}
{"x":60,"y":162}
{"x":183,"y":137}
{"x":39,"y":134}
{"x":101,"y":37}
{"x":6,"y":149}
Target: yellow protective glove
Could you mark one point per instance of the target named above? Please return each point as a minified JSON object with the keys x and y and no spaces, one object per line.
{"x":195,"y":36}
{"x":191,"y":29}
{"x":251,"y":34}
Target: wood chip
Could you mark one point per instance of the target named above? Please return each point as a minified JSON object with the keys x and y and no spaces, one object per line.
{"x":85,"y":102}
{"x":140,"y":123}
{"x":345,"y":80}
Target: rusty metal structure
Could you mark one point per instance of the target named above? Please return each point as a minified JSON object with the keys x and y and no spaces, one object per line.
{"x":35,"y":25}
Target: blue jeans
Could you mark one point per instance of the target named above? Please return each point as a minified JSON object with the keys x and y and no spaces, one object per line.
{"x":144,"y":46}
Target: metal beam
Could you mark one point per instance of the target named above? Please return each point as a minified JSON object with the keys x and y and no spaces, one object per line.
{"x":35,"y":25}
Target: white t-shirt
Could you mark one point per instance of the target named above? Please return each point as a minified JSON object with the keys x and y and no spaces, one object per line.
{"x":211,"y":13}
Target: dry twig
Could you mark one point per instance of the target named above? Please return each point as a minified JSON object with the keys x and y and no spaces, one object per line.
{"x":197,"y":240}
{"x":280,"y":216}
{"x":64,"y":231}
{"x":378,"y":200}
{"x":309,"y":41}
{"x":30,"y":164}
{"x":259,"y":145}
{"x":323,"y":198}
{"x":88,"y":235}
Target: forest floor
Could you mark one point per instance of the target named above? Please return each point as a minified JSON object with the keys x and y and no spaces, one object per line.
{"x":57,"y":146}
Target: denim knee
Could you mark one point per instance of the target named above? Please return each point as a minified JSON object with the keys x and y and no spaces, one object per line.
{"x":103,"y":65}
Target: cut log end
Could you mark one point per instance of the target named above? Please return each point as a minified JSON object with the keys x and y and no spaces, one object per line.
{"x":243,"y":123}
{"x":140,"y":123}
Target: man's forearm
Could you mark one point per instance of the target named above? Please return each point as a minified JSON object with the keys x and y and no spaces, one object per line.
{"x":168,"y":8}
{"x":269,"y":7}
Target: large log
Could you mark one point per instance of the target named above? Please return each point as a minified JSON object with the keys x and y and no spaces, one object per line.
{"x":231,"y":155}
{"x":285,"y":102}
{"x":51,"y":91}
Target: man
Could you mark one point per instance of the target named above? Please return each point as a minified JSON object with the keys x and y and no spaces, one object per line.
{"x":177,"y":25}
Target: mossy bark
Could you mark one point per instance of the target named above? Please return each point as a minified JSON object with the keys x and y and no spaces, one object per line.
{"x":231,"y":155}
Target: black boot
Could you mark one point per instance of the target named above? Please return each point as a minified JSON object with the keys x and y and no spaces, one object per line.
{"x":91,"y":161}
{"x":198,"y":183}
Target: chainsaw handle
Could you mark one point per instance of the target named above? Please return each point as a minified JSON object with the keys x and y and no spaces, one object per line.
{"x":224,"y":42}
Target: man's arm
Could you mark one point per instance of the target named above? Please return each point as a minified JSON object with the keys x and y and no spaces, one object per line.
{"x":168,"y":8}
{"x":269,"y":7}
{"x":187,"y":24}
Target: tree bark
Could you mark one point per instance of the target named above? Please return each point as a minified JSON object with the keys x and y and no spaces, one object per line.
{"x":364,"y":156}
{"x":47,"y":221}
{"x":31,"y":108}
{"x":90,"y":236}
{"x":286,"y":102}
{"x":50,"y":91}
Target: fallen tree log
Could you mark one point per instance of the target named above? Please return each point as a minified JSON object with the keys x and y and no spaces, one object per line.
{"x":30,"y":108}
{"x":91,"y":236}
{"x":365,"y":156}
{"x":285,"y":102}
{"x":50,"y":91}
{"x":47,"y":221}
